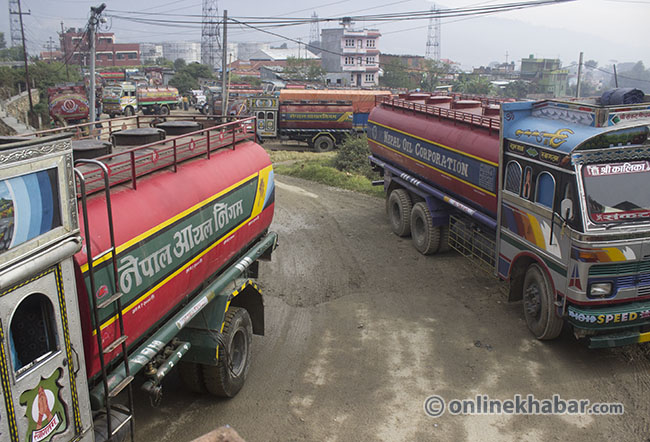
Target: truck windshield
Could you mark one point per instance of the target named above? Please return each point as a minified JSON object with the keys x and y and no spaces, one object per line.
{"x":617,"y":192}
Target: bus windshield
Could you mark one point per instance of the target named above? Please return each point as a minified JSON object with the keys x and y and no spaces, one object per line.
{"x":617,"y":192}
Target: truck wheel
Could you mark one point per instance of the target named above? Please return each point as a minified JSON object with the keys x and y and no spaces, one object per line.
{"x":425,"y":236}
{"x":539,"y":307}
{"x":128,"y":111}
{"x":164,"y":110}
{"x":111,"y":115}
{"x":205,"y":110}
{"x":323,"y":143}
{"x":191,"y":375}
{"x":444,"y":239}
{"x":398,"y":208}
{"x":226,"y":380}
{"x":100,"y":427}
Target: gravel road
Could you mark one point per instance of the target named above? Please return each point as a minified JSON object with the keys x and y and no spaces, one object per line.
{"x":361,"y":329}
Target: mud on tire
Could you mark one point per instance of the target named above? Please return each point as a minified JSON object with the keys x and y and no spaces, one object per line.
{"x":398,"y":209}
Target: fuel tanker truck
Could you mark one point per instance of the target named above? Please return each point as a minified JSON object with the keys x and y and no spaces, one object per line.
{"x":321,"y":124}
{"x":106,"y":286}
{"x":551,"y":196}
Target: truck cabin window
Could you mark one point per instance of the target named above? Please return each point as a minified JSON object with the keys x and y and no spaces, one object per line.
{"x":545,"y":189}
{"x":32,"y":332}
{"x":513,"y":177}
{"x":615,"y":192}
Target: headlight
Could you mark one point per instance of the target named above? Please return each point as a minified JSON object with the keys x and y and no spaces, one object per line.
{"x":600,"y":289}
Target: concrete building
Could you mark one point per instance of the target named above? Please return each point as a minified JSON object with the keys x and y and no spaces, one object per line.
{"x":108,"y":53}
{"x":547,"y":74}
{"x":246,"y":49}
{"x":187,"y":50}
{"x":350,"y":57}
{"x":150,"y":52}
{"x":276,"y":54}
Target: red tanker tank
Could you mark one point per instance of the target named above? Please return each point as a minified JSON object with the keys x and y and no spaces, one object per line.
{"x":455,"y":150}
{"x":316,"y":115}
{"x":172,"y":234}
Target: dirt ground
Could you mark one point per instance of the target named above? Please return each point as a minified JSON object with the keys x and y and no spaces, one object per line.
{"x":361,"y":329}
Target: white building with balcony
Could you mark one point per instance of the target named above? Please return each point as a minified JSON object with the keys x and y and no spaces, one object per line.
{"x":350,"y":57}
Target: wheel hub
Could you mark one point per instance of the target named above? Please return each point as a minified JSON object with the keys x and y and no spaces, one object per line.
{"x":533,"y":301}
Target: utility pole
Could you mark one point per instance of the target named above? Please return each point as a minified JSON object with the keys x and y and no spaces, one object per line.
{"x":65,"y":52}
{"x":579,"y":74}
{"x":22,"y":34}
{"x":224,"y":67}
{"x":50,"y":43}
{"x":95,"y":12}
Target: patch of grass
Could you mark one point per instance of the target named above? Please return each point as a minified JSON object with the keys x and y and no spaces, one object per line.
{"x":281,"y":156}
{"x":322,"y":170}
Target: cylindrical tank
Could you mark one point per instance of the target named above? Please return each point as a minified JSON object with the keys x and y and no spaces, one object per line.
{"x":175,"y":128}
{"x":492,"y":110}
{"x":315,"y":115}
{"x":419,"y":97}
{"x":440,"y":101}
{"x":469,"y":106}
{"x":90,"y":148}
{"x":137,"y":136}
{"x":457,"y":157}
{"x":172,"y":233}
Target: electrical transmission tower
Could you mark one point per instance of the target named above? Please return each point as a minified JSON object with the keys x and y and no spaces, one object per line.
{"x":433,"y":37}
{"x":14,"y":23}
{"x":314,"y":34}
{"x":210,"y":44}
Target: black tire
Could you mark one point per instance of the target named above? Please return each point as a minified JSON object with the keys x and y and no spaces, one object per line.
{"x":539,"y":305}
{"x":128,"y":112}
{"x":425,"y":236}
{"x":323,"y":143}
{"x":222,"y":380}
{"x":164,"y":110}
{"x":444,"y":239}
{"x":191,"y":375}
{"x":111,"y":115}
{"x":100,"y":427}
{"x":398,"y":209}
{"x":205,"y":110}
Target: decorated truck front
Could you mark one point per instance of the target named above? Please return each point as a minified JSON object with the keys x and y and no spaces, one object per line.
{"x":68,"y":104}
{"x":120,"y":99}
{"x":557,"y":205}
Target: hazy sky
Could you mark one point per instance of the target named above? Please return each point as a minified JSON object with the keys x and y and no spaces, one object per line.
{"x":605,"y":30}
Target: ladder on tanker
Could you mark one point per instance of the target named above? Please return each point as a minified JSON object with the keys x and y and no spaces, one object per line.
{"x":117,"y":415}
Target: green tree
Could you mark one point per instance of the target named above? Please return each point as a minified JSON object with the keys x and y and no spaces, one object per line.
{"x":179,"y":64}
{"x":3,"y":43}
{"x":434,"y":73}
{"x":396,"y":76}
{"x":198,"y":70}
{"x":638,"y":77}
{"x":304,"y":69}
{"x":516,"y":89}
{"x":12,"y":54}
{"x":473,"y":84}
{"x":184,"y":82}
{"x":162,"y":61}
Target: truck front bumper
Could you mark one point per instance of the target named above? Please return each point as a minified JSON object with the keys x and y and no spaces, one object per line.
{"x":612,"y":326}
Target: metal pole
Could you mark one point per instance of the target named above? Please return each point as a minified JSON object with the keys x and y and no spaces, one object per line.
{"x":22,"y":33}
{"x":65,"y":53}
{"x":615,"y":77}
{"x":91,"y":92}
{"x":579,"y":74}
{"x":224,"y":67}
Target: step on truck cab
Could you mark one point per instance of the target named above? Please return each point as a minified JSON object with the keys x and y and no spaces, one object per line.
{"x":552,"y":197}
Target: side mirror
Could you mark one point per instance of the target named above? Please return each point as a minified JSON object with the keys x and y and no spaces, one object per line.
{"x":566,"y":209}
